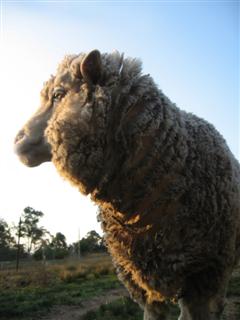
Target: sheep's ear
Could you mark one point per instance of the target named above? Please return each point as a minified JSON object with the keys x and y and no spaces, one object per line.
{"x":91,"y":67}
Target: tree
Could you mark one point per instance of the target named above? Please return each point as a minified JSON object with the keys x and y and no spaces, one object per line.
{"x":6,"y":239}
{"x":54,"y":249}
{"x":92,"y":242}
{"x":59,"y":241}
{"x":30,"y":229}
{"x":44,"y":250}
{"x":59,"y":246}
{"x":7,"y":242}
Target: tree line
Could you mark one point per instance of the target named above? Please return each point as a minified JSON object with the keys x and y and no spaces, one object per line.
{"x":28,"y":239}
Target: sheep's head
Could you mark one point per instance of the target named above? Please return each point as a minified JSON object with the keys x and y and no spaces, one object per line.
{"x":68,"y":127}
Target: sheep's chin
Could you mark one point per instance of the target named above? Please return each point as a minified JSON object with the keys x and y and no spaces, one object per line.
{"x":32,"y":161}
{"x":32,"y":155}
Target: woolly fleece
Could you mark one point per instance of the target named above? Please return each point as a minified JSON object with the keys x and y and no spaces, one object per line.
{"x":165,"y":181}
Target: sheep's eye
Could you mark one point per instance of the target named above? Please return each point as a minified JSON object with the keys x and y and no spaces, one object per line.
{"x":58,"y":95}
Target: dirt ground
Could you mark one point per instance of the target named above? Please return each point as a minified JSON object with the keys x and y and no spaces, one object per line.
{"x":76,"y":312}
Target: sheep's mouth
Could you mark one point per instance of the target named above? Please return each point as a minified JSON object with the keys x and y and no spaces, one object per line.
{"x":32,"y":153}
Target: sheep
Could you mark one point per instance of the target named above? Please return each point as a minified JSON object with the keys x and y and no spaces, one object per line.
{"x":165,"y":181}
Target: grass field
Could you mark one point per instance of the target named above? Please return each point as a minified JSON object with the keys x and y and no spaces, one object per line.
{"x":35,"y":289}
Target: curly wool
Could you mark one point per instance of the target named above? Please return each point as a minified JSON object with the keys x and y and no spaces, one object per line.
{"x":165,"y":181}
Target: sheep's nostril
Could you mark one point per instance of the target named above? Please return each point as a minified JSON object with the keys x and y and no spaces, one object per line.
{"x":19,"y":136}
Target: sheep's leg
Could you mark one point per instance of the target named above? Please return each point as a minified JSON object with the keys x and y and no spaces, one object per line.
{"x":204,"y":295}
{"x":185,"y":315}
{"x":201,"y":308}
{"x":156,"y":311}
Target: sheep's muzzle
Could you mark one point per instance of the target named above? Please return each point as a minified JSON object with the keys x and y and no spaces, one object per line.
{"x":31,"y":144}
{"x":32,"y":153}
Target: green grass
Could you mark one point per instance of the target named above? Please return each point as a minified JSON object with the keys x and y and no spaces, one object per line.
{"x":238,"y":308}
{"x":126,"y":309}
{"x":123,"y":308}
{"x":234,"y":284}
{"x":35,"y":289}
{"x":120,"y":309}
{"x":27,"y":301}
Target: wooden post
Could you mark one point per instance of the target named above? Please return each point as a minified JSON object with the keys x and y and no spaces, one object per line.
{"x":18,"y":243}
{"x":78,"y":247}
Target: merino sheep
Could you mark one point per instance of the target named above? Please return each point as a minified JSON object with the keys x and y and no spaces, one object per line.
{"x":165,"y":181}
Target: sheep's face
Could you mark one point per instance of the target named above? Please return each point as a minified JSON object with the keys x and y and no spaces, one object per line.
{"x":30,"y":143}
{"x":69,"y":126}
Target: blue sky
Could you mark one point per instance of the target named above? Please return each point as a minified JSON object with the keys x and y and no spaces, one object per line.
{"x":191,"y":48}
